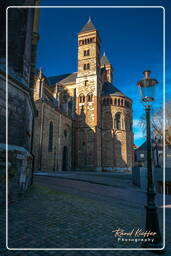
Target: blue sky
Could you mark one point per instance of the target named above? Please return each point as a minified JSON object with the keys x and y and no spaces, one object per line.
{"x":132,"y":39}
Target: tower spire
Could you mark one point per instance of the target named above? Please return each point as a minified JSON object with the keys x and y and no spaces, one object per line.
{"x":89,"y":26}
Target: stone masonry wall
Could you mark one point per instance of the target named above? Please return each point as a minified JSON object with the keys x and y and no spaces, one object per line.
{"x":46,"y":160}
{"x":117,"y":144}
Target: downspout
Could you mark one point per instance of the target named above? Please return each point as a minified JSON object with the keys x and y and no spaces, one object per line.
{"x":41,"y":136}
{"x":32,"y":150}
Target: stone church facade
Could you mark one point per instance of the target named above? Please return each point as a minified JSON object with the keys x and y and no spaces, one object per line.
{"x":84,"y":122}
{"x":18,"y":118}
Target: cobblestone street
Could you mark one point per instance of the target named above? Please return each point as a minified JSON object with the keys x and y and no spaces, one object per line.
{"x":63,"y":213}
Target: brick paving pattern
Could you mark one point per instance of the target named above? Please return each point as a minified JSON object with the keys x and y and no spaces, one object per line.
{"x":60,"y":213}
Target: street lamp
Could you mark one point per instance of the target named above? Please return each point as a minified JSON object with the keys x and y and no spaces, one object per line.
{"x":147,"y":94}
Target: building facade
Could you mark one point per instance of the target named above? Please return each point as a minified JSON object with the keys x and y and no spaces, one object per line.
{"x":91,"y":118}
{"x":20,"y":111}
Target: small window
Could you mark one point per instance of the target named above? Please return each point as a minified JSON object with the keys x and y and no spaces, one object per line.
{"x":86,"y":82}
{"x":86,"y":52}
{"x":90,"y":97}
{"x":81,"y":98}
{"x":86,"y":66}
{"x":115,"y":102}
{"x":104,"y":101}
{"x":141,"y":155}
{"x":65,"y":133}
{"x":117,"y":121}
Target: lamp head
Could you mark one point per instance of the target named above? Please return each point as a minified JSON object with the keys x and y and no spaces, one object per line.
{"x":147,"y":87}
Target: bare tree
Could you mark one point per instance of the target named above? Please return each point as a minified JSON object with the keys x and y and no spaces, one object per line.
{"x":157,"y":123}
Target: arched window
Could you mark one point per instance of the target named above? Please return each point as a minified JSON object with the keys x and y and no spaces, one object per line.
{"x":118,"y":102}
{"x":115,"y":102}
{"x":104,"y":101}
{"x":107,"y":101}
{"x":81,"y":98}
{"x":121,"y":102}
{"x":117,"y":121}
{"x":50,"y":145}
{"x":90,"y":97}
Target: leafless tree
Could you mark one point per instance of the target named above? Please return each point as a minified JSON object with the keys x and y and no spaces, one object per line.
{"x":158,"y":121}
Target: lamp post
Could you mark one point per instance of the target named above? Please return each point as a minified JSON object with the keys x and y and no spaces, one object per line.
{"x":147,"y":89}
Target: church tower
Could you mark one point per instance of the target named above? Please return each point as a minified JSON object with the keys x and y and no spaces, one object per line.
{"x":106,"y":64}
{"x":88,"y":91}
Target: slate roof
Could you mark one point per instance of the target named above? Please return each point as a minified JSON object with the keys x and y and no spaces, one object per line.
{"x":66,"y":78}
{"x":110,"y":89}
{"x":104,"y":60}
{"x":69,"y":79}
{"x":89,"y":26}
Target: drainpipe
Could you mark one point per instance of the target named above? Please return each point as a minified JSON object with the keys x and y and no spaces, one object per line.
{"x":41,"y":136}
{"x":32,"y":150}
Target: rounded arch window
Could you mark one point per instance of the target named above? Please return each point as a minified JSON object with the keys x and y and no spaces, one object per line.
{"x":104,"y":101}
{"x":65,"y":133}
{"x":115,"y":102}
{"x":117,"y":121}
{"x":90,"y":97}
{"x":81,"y":98}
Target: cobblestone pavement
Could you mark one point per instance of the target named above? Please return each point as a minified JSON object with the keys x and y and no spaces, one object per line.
{"x":59,"y":213}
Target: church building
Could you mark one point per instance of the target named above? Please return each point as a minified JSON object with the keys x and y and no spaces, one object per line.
{"x":83,"y":121}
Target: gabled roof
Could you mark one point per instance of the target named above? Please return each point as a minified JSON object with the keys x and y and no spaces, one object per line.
{"x":104,"y":60}
{"x":66,"y":78}
{"x":110,"y":89}
{"x":89,"y":26}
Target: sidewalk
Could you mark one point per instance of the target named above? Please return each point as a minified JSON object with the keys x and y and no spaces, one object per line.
{"x":117,"y":179}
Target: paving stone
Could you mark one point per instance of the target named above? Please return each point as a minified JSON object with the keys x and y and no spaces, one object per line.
{"x":57,"y":215}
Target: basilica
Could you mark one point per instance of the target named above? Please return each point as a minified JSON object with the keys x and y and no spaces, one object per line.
{"x":83,"y":121}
